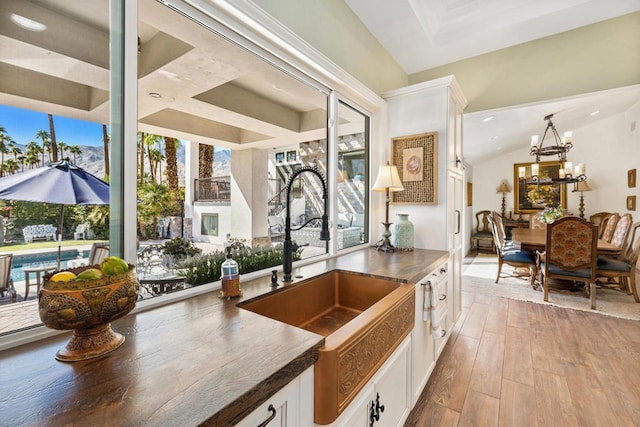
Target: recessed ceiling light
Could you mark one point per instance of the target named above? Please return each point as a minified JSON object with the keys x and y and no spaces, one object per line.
{"x":155,"y":95}
{"x":26,"y":23}
{"x":594,"y":113}
{"x":488,"y":119}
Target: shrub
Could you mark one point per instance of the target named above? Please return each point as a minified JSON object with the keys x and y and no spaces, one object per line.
{"x":207,"y":268}
{"x":180,"y":248}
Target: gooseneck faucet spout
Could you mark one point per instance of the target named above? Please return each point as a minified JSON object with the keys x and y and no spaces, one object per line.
{"x":287,"y":256}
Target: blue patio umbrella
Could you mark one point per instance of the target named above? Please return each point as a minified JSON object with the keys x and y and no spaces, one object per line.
{"x":61,"y":183}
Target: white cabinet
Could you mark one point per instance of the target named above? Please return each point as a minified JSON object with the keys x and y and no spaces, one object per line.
{"x":425,"y":347}
{"x":385,"y":401}
{"x":290,"y":406}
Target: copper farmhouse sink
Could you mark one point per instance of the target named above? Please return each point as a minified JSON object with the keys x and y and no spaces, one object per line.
{"x":362,"y":318}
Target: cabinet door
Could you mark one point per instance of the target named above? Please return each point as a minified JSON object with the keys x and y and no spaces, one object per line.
{"x":392,"y":388}
{"x":283,"y":408}
{"x":423,"y":359}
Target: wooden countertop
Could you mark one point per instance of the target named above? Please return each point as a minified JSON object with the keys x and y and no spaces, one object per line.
{"x":200,"y":360}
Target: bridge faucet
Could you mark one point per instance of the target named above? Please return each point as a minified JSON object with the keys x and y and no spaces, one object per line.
{"x":287,"y":256}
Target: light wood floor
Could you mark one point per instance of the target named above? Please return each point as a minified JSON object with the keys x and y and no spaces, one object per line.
{"x":515,"y":363}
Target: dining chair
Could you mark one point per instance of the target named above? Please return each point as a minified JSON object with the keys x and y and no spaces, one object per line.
{"x":482,"y":232}
{"x":624,"y":267}
{"x":507,"y":254}
{"x":622,"y":230}
{"x":99,"y":251}
{"x":6,"y":282}
{"x":599,"y":220}
{"x":609,"y":224}
{"x":571,"y":254}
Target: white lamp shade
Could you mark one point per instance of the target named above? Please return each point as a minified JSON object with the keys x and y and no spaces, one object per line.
{"x":388,"y":178}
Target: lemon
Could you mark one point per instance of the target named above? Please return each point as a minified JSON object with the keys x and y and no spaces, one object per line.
{"x":63,"y":276}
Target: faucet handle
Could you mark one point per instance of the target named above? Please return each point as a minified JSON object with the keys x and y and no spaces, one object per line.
{"x":274,"y":278}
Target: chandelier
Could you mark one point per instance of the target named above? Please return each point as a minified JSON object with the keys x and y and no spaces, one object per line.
{"x":567,"y":173}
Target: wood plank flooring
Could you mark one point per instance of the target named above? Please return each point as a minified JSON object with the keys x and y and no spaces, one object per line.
{"x":515,"y":363}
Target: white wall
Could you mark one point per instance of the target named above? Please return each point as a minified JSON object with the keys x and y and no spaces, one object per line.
{"x":608,"y":147}
{"x":423,"y":111}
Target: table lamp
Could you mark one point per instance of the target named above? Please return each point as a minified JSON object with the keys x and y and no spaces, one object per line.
{"x":582,"y":187}
{"x":504,"y":189}
{"x":388,"y":180}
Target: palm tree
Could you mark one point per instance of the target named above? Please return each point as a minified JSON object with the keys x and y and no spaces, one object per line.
{"x":105,"y":145}
{"x":150,"y":140}
{"x":75,"y":150}
{"x":54,"y":146}
{"x":155,"y":159}
{"x":33,"y":154}
{"x":170,"y":147}
{"x":11,"y":166}
{"x":205,"y":160}
{"x":61,"y":147}
{"x":14,"y":149}
{"x":44,"y":135}
{"x":4,"y":149}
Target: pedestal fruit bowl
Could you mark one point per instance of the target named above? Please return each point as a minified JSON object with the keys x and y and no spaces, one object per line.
{"x":86,"y":303}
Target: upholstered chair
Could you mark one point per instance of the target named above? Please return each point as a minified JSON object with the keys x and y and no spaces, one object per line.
{"x":609,"y":224}
{"x":624,"y":267}
{"x":507,"y":254}
{"x":482,"y":233}
{"x":571,"y":254}
{"x":622,"y":230}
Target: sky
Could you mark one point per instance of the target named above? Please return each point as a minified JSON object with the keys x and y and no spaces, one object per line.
{"x":23,"y":125}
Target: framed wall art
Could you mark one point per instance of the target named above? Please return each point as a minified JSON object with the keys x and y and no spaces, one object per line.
{"x":469,"y":194}
{"x":631,"y":178}
{"x":532,"y":198}
{"x":416,"y":157}
{"x":631,"y":203}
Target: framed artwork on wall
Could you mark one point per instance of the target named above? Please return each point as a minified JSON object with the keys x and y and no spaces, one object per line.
{"x":292,"y":156}
{"x":279,"y":157}
{"x":631,"y":203}
{"x":631,"y":178}
{"x":469,"y":194}
{"x":532,"y":198}
{"x":416,"y":157}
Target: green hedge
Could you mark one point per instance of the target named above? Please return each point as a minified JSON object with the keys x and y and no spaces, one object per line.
{"x":203,"y":269}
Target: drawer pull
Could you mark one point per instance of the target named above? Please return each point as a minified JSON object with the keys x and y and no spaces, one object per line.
{"x":271,"y":417}
{"x":443,"y":297}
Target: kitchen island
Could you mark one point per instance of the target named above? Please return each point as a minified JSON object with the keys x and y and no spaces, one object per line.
{"x":199,"y":360}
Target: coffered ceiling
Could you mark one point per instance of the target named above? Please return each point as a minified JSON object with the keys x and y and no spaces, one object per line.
{"x":193,"y":84}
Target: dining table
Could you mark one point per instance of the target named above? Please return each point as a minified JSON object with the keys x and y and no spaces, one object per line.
{"x":536,"y":239}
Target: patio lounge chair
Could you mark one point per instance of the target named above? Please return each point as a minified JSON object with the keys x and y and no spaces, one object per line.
{"x":99,"y":251}
{"x":6,"y":282}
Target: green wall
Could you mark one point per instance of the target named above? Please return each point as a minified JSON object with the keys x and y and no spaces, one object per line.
{"x":596,"y":57}
{"x":333,"y":29}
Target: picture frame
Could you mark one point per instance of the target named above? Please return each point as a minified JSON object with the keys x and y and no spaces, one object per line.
{"x":416,"y":157}
{"x":469,"y":194}
{"x":631,"y":178}
{"x":631,"y":203}
{"x":533,"y":198}
{"x":280,"y":157}
{"x":292,"y":156}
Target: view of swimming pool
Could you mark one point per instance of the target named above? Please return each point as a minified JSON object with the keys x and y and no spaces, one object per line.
{"x":42,"y":259}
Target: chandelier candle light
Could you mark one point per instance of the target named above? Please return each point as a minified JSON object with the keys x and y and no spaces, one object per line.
{"x":388,"y":180}
{"x":567,"y":173}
